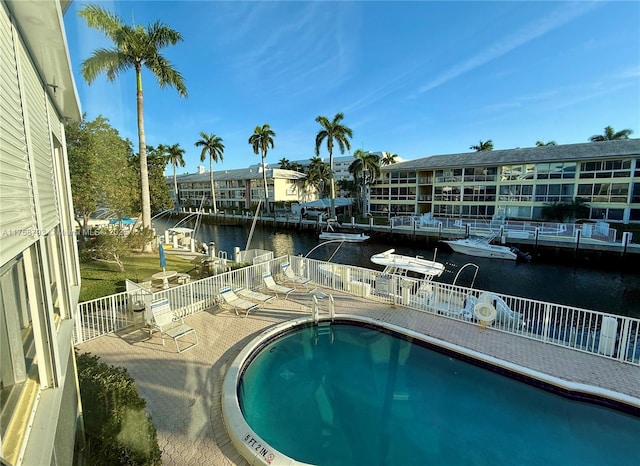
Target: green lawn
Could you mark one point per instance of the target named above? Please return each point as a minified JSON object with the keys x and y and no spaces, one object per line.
{"x":102,"y":279}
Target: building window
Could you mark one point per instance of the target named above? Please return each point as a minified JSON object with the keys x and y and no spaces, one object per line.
{"x":17,"y":346}
{"x":606,"y":169}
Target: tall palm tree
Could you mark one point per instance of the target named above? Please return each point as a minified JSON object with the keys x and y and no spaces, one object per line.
{"x":365,"y":169}
{"x":174,"y":155}
{"x":318,"y":175}
{"x":261,"y":140}
{"x":611,"y":135}
{"x":541,"y":143}
{"x":213,"y":147}
{"x":483,"y":146}
{"x":334,"y":132}
{"x":134,"y":47}
{"x":388,"y":158}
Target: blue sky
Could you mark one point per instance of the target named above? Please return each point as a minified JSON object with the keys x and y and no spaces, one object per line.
{"x":413,"y":78}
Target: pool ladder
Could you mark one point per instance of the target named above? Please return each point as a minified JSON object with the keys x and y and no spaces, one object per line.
{"x":315,"y":311}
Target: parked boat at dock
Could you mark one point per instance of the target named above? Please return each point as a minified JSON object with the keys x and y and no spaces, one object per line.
{"x":482,"y":247}
{"x":334,"y":231}
{"x":397,"y":264}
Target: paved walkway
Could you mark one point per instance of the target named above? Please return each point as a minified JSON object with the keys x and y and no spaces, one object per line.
{"x":183,"y":390}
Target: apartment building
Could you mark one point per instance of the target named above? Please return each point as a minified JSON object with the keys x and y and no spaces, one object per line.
{"x":39,"y":269}
{"x":516,"y":183}
{"x":241,"y":188}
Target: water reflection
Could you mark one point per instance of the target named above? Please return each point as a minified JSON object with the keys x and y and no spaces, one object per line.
{"x":604,"y":288}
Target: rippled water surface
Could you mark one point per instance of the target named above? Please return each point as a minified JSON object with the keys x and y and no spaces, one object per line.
{"x":598,"y":285}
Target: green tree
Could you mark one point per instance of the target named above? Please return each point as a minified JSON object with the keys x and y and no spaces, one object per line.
{"x":388,"y":158}
{"x":134,"y":48}
{"x":158,"y":187}
{"x":285,"y":164}
{"x":364,"y":169}
{"x":261,"y":140}
{"x":541,"y":143}
{"x":213,"y":147}
{"x":333,"y":132}
{"x":611,"y":135}
{"x":318,"y":176}
{"x":174,"y":156}
{"x":483,"y":146}
{"x":98,"y":168}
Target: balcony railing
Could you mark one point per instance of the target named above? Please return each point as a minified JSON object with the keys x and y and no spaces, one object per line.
{"x":606,"y":335}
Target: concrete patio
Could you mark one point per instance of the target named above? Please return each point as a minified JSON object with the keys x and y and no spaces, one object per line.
{"x":183,"y":390}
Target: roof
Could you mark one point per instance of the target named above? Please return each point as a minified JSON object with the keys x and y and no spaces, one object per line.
{"x":567,"y":152}
{"x":42,"y":28}
{"x":251,"y":173}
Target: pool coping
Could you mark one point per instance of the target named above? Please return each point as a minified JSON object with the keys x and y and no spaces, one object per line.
{"x":258,"y":452}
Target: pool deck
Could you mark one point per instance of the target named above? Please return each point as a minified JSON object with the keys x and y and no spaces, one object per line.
{"x":183,"y":390}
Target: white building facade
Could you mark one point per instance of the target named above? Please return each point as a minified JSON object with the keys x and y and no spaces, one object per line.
{"x":39,"y":269}
{"x":516,"y":183}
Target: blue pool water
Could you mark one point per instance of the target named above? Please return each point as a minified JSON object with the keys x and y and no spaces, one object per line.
{"x":358,"y":396}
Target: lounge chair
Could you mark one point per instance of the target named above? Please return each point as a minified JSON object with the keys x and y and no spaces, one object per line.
{"x":271,"y":284}
{"x":255,"y":295}
{"x":164,"y":321}
{"x":236,"y":302}
{"x":291,"y":277}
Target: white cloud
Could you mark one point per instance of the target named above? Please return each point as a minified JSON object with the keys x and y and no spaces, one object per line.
{"x":533,"y":30}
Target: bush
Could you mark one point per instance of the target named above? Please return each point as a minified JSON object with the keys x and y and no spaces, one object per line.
{"x":118,"y":429}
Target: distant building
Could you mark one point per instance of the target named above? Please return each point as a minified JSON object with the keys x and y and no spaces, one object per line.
{"x":516,"y":183}
{"x":39,"y":269}
{"x":241,"y":188}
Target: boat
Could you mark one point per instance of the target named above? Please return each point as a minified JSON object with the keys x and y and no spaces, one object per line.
{"x":334,"y":231}
{"x":482,"y":247}
{"x":397,"y":264}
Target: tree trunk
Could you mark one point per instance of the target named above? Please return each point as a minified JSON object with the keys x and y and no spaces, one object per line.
{"x":144,"y":170}
{"x":213,"y":189}
{"x":175,"y":188}
{"x":266,"y":189}
{"x":332,"y":188}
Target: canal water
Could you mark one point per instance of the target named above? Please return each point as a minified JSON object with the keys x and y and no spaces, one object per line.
{"x":596,"y":285}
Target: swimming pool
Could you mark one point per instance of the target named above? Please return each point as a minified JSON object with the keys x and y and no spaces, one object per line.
{"x":354,"y":395}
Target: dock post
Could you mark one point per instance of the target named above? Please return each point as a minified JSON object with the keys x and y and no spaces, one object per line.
{"x":578,"y":232}
{"x":626,"y":239}
{"x":537,"y":234}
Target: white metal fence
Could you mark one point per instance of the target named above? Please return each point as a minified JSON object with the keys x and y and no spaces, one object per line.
{"x":607,"y":335}
{"x":511,"y":228}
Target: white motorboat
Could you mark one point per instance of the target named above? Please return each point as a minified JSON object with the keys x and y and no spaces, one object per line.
{"x":353,"y":237}
{"x":482,"y":247}
{"x":397,"y":264}
{"x":334,"y":231}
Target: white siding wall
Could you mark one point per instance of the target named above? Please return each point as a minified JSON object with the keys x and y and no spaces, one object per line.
{"x":17,"y":209}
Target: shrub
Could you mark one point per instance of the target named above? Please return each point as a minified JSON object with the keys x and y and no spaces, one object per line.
{"x":118,"y":429}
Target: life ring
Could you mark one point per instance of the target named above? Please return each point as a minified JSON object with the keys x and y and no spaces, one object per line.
{"x":485,"y":312}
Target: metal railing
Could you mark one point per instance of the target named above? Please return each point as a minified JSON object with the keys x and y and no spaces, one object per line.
{"x":606,"y":335}
{"x":599,"y":231}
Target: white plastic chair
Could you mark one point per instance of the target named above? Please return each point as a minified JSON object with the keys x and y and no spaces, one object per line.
{"x":164,"y":321}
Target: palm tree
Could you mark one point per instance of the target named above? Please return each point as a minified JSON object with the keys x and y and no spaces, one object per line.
{"x":134,"y":47}
{"x":174,"y":156}
{"x":483,"y":146}
{"x":318,"y":175}
{"x":285,"y":164}
{"x":213,"y":147}
{"x":365,"y":169}
{"x":261,"y":140}
{"x":333,"y":131}
{"x":611,"y":135}
{"x":388,"y":158}
{"x":550,"y":143}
